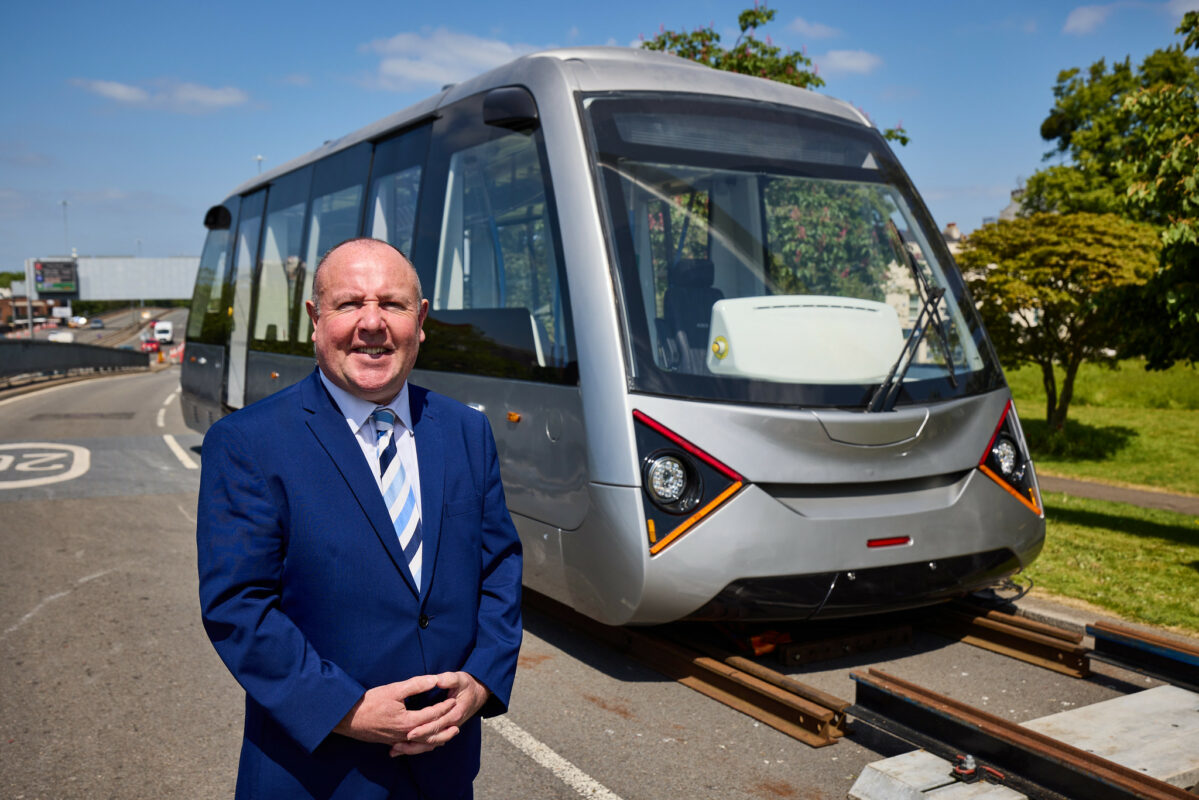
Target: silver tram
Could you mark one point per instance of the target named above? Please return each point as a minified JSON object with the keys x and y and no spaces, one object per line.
{"x":732,"y":370}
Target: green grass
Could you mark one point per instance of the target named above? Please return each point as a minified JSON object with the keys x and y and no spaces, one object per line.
{"x":1125,"y":426}
{"x":1128,"y":385}
{"x":1141,"y":564}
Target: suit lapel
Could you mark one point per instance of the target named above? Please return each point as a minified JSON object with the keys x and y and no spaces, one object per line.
{"x":329,"y":427}
{"x":431,"y":464}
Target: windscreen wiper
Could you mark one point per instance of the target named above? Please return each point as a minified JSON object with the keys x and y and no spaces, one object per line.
{"x":888,"y":391}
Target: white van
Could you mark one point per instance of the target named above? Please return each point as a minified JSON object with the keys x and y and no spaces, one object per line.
{"x":164,"y":332}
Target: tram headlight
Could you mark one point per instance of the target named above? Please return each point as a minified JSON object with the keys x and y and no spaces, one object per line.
{"x":667,"y":479}
{"x":672,"y":481}
{"x":1007,"y":455}
{"x":1006,"y":462}
{"x":681,"y":484}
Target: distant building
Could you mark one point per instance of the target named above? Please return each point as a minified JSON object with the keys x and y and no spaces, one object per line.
{"x":1015,"y":207}
{"x":12,"y":309}
{"x":953,"y":238}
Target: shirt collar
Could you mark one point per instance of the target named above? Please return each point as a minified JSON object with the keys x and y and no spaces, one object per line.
{"x":357,"y":411}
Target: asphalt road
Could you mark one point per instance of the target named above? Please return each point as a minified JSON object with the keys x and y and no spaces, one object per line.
{"x":121,"y":328}
{"x":111,"y":690}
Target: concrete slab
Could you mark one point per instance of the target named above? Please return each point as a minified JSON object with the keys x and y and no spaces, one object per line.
{"x":919,"y":775}
{"x":903,"y":777}
{"x":1155,"y":732}
{"x":975,"y":791}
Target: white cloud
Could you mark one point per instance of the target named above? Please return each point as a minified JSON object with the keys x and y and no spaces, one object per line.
{"x":847,"y":62}
{"x":12,"y":202}
{"x":573,"y":33}
{"x":194,"y":97}
{"x":1087,"y":19}
{"x":121,"y":92}
{"x":437,"y":57}
{"x":18,"y":154}
{"x":167,"y":94}
{"x":297,"y":79}
{"x":1176,"y":8}
{"x":813,"y":30}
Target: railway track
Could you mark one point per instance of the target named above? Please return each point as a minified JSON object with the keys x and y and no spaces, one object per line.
{"x":1035,"y":763}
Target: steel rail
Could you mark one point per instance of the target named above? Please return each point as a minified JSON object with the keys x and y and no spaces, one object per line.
{"x":948,"y":727}
{"x":1018,"y":637}
{"x":785,"y":704}
{"x":1170,"y":660}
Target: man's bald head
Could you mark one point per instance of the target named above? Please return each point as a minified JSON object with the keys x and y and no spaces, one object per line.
{"x":316,"y":273}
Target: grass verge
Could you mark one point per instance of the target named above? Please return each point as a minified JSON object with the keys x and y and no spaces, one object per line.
{"x":1126,"y":426}
{"x":1134,"y":446}
{"x":1141,"y":564}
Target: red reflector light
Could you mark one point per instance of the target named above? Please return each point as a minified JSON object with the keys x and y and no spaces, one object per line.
{"x":890,"y":541}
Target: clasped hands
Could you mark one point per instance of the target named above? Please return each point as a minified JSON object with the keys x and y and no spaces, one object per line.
{"x":382,"y":715}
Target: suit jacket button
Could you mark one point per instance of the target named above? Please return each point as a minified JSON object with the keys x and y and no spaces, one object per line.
{"x":423,"y":621}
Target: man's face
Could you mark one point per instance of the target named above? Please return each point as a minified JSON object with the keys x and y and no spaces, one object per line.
{"x":368,"y":327}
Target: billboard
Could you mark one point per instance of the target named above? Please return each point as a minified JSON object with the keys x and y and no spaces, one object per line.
{"x":55,"y":276}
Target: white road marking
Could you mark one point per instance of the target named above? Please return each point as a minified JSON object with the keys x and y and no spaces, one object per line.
{"x":48,"y":600}
{"x":162,"y":414}
{"x":81,"y":462}
{"x":565,"y":771}
{"x":186,"y":515}
{"x":179,"y":452}
{"x":170,"y":397}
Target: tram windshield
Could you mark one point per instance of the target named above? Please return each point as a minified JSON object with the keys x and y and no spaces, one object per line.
{"x":771,"y":255}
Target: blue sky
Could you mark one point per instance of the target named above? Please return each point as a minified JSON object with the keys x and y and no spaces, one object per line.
{"x":140,"y":115}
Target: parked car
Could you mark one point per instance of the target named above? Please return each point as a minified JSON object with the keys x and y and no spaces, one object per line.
{"x":96,"y":323}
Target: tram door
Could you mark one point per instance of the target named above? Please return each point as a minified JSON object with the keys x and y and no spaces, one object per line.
{"x":245,"y":260}
{"x":498,"y":333}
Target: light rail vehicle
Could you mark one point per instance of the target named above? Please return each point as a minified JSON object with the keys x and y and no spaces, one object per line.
{"x":732,"y":370}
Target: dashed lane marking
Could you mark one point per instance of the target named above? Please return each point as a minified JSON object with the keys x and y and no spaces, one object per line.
{"x":565,"y":771}
{"x":179,"y":452}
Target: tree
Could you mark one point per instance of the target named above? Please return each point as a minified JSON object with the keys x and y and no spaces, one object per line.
{"x":1049,"y":286}
{"x":1132,"y":139}
{"x":1162,"y":164}
{"x":748,"y":55}
{"x":1091,"y":124}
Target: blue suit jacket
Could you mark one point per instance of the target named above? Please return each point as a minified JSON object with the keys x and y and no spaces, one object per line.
{"x":307,"y":597}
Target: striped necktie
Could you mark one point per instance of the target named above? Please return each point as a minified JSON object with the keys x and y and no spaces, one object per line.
{"x":398,"y":491}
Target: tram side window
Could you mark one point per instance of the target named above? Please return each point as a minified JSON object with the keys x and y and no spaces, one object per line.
{"x":395,"y":188}
{"x":334,"y":215}
{"x":208,"y":321}
{"x":498,"y":305}
{"x":281,"y":269}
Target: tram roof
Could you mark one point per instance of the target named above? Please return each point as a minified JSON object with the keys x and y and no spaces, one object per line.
{"x":590,"y":69}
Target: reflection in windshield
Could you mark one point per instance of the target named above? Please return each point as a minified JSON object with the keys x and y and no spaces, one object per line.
{"x":771,"y":262}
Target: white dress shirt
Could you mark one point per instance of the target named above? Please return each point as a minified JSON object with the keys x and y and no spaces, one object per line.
{"x":357,"y":413}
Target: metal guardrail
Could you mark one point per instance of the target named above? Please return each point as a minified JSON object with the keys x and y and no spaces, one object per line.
{"x":34,"y":358}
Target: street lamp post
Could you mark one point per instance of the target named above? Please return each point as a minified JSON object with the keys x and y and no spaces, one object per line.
{"x":259,"y":160}
{"x":66,"y":238}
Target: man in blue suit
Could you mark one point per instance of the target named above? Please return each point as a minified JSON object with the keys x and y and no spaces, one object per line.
{"x":371,"y":615}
